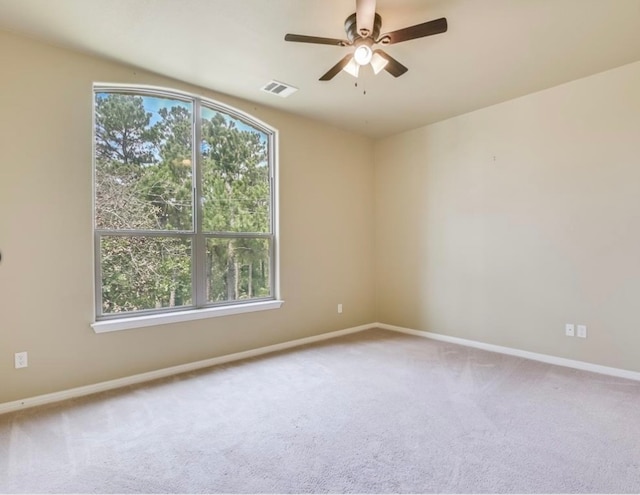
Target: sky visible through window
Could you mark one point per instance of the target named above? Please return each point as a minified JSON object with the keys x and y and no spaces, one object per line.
{"x":153,"y":104}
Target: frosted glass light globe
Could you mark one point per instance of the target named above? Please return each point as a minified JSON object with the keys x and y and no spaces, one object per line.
{"x":362,"y":55}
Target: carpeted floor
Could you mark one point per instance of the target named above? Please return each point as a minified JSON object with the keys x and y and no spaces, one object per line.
{"x":371,"y":412}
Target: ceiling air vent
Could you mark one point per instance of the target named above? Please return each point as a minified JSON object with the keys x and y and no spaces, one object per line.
{"x":279,"y":89}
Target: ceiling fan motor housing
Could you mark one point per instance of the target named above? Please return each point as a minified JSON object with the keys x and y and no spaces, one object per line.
{"x":351,"y":28}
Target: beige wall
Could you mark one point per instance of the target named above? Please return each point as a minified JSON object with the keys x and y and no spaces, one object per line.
{"x":46,"y":274}
{"x":499,"y":226}
{"x":504,"y":224}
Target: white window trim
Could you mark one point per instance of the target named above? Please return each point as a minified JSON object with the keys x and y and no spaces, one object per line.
{"x":114,"y":325}
{"x":182,"y":315}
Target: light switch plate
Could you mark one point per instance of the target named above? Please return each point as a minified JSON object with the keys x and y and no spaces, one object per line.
{"x":582,"y":331}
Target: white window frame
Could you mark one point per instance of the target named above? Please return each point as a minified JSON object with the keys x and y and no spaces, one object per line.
{"x":200,"y":308}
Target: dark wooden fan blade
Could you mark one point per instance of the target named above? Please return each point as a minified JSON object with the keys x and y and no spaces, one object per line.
{"x":301,"y":38}
{"x":393,"y":67}
{"x":418,"y":31}
{"x":336,"y":68}
{"x":365,"y":14}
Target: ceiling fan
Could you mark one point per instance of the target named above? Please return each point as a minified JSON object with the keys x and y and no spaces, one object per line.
{"x":363,"y":32}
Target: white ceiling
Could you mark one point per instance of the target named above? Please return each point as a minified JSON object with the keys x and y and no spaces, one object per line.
{"x":494,"y":50}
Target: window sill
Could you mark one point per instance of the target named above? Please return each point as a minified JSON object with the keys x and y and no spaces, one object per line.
{"x":180,"y":316}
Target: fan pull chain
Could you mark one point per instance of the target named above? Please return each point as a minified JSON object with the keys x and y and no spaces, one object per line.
{"x":364,"y":91}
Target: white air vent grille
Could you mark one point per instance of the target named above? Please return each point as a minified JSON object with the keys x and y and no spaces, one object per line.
{"x":279,"y":89}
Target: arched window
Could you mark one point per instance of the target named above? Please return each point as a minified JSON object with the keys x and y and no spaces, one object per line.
{"x":185,"y":211}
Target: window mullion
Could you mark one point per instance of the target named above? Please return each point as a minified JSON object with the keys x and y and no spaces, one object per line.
{"x":200,"y":255}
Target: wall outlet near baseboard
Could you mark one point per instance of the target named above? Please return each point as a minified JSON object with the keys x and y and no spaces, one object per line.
{"x":582,"y":331}
{"x":339,"y":308}
{"x":570,"y":330}
{"x":21,"y":359}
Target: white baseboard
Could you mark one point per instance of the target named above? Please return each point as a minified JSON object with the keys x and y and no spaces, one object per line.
{"x":174,"y":370}
{"x":545,"y":358}
{"x":184,"y":368}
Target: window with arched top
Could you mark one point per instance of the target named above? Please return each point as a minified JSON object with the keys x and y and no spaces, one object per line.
{"x":185,"y":209}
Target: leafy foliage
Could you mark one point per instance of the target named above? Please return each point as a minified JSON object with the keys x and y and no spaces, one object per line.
{"x":145,"y":204}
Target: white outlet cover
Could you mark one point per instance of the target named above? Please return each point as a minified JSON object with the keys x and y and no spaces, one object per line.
{"x":21,"y":360}
{"x":570,"y":330}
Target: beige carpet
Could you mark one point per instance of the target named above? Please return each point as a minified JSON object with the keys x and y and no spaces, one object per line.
{"x":372,"y":412}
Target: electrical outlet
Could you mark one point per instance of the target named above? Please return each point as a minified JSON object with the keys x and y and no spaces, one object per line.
{"x":339,"y":308}
{"x":582,"y":331}
{"x":21,"y":360}
{"x":570,"y":330}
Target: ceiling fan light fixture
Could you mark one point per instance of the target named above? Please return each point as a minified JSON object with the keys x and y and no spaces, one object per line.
{"x":363,"y":30}
{"x":352,"y":68}
{"x":378,"y":63}
{"x":362,"y":54}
